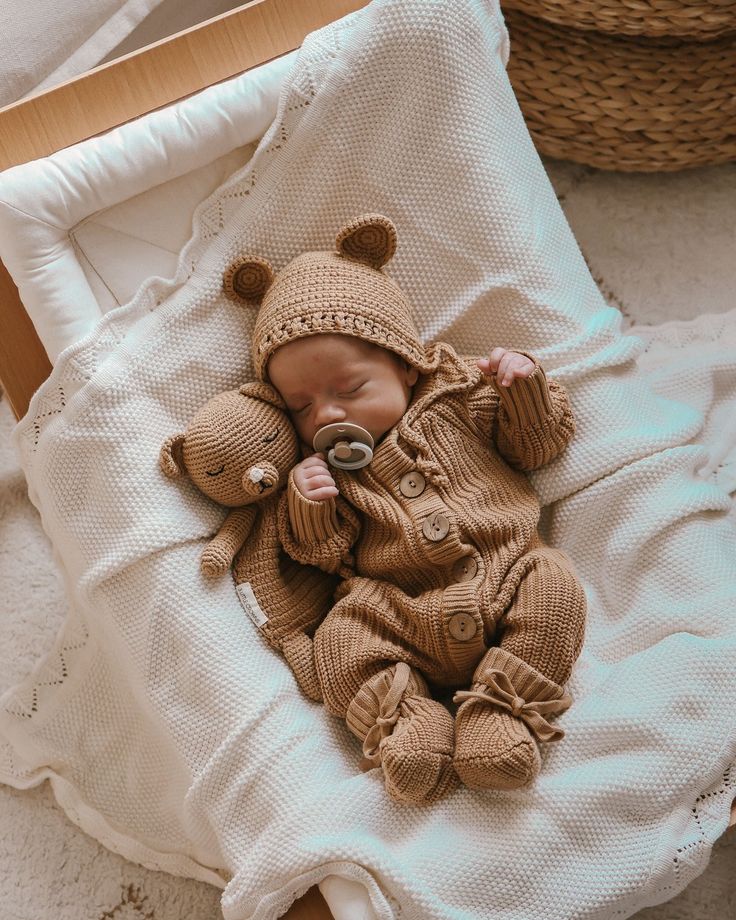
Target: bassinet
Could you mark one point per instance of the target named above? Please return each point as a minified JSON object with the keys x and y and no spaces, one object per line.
{"x":587,"y":343}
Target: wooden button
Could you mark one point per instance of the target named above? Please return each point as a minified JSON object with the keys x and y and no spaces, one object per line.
{"x":412,"y":484}
{"x":436,"y":526}
{"x":465,"y":569}
{"x":462,"y":627}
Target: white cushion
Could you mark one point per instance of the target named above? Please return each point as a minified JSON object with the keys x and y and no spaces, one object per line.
{"x":43,"y":203}
{"x":119,"y":247}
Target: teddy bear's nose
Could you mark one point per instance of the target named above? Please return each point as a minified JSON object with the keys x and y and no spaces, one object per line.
{"x":260,"y":478}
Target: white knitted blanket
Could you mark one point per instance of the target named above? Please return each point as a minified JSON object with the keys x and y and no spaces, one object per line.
{"x":170,"y":731}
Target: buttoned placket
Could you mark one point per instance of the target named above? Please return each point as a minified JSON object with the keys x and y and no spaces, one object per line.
{"x":442,"y":543}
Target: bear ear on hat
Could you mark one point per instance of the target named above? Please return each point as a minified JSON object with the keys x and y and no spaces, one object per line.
{"x":370,"y":239}
{"x":247,"y":279}
{"x":257,"y":390}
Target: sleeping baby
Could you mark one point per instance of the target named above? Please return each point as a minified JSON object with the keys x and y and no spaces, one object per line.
{"x":445,"y":583}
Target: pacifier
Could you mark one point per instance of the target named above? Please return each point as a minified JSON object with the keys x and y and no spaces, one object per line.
{"x":348,"y":446}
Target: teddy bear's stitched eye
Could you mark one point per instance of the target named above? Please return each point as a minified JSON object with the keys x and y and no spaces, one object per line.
{"x":271,"y":437}
{"x":216,"y":472}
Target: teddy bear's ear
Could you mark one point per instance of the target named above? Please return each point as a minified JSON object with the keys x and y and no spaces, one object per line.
{"x":247,"y":280}
{"x":264,"y":392}
{"x":171,"y":457}
{"x":370,"y":239}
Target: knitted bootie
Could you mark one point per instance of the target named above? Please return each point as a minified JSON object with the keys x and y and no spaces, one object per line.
{"x":500,"y":720}
{"x":410,"y":735}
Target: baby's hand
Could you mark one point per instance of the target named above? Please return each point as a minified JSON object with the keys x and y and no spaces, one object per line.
{"x":506,"y":365}
{"x":313,"y":479}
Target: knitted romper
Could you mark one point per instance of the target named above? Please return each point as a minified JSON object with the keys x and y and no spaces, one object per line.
{"x":437,"y":540}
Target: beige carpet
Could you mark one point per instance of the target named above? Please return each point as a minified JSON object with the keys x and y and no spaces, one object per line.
{"x":660,"y":247}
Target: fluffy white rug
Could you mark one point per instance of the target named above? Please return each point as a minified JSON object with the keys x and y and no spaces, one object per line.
{"x":660,"y":248}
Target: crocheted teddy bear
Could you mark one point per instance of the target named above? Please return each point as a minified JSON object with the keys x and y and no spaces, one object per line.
{"x":238,"y":450}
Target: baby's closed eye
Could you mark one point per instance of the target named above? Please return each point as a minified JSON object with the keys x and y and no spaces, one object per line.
{"x":352,"y":391}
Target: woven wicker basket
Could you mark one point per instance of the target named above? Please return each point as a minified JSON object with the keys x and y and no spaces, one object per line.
{"x":625,"y":104}
{"x":700,"y":20}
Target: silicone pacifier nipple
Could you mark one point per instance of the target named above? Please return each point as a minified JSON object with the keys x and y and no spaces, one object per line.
{"x":347,"y":446}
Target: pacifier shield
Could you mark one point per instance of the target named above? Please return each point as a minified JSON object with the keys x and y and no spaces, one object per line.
{"x":347,"y":446}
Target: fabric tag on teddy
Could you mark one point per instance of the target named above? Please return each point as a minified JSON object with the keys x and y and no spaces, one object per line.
{"x":250,"y":604}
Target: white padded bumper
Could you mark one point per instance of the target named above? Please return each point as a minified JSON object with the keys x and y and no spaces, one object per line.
{"x":56,"y":220}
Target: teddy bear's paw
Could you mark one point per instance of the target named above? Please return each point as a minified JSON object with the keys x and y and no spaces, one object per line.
{"x":214,"y":561}
{"x":298,"y":650}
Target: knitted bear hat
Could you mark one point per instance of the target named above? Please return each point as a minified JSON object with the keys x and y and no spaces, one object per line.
{"x":343,"y":292}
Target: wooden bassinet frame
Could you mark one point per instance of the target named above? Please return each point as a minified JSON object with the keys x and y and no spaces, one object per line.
{"x":121,"y":91}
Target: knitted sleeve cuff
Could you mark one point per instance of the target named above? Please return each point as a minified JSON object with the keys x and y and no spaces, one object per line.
{"x":311,"y":522}
{"x":527,"y":401}
{"x":535,"y":421}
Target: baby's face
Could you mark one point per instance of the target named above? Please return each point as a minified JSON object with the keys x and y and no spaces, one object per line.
{"x":325,"y":379}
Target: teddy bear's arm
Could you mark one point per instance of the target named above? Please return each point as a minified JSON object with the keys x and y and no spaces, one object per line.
{"x":219,"y":553}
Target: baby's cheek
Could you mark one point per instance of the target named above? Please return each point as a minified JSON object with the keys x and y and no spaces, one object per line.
{"x":303,"y":428}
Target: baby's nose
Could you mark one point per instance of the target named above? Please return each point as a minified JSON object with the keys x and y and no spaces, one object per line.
{"x":328,"y":413}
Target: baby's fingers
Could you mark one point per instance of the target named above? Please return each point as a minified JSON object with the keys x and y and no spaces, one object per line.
{"x":315,"y":462}
{"x":319,"y":484}
{"x":489,"y":365}
{"x":322,"y":493}
{"x":513,"y":365}
{"x":505,"y":372}
{"x":318,"y":478}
